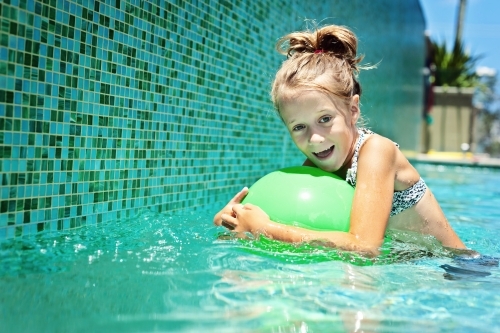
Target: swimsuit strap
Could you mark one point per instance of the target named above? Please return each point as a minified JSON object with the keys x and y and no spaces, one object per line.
{"x":408,"y":198}
{"x":352,"y":171}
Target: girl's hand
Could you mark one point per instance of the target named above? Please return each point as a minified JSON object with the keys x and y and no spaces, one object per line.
{"x":246,"y":218}
{"x":228,"y":209}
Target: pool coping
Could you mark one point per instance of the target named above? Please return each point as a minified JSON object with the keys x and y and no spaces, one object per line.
{"x":465,"y":160}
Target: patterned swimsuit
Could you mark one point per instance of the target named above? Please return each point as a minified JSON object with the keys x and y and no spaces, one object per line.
{"x":402,"y":199}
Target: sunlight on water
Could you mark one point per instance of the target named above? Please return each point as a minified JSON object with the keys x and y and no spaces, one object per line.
{"x":178,"y":273}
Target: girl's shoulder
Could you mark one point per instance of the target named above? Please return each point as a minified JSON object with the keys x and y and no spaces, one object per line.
{"x":378,"y":148}
{"x":375,"y":140}
{"x":368,"y":133}
{"x":371,"y":152}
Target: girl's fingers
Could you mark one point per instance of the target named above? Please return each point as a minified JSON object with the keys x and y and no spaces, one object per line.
{"x":240,"y":195}
{"x":227,"y":225}
{"x":229,"y":221}
{"x":238,"y":208}
{"x":249,"y":206}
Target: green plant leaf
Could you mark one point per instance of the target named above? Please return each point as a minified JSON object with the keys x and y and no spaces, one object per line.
{"x":455,"y":68}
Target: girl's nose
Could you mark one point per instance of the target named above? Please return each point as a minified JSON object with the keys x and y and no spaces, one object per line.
{"x":316,"y":138}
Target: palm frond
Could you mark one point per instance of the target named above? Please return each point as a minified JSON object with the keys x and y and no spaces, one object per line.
{"x":455,"y":68}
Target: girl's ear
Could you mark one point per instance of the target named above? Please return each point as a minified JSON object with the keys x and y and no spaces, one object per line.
{"x":354,"y":108}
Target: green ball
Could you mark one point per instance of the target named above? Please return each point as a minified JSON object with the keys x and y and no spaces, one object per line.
{"x":305,"y":197}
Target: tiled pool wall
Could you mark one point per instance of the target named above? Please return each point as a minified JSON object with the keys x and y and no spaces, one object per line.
{"x":110,"y":107}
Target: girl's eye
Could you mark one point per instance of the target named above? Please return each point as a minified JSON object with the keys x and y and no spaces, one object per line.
{"x":325,"y":119}
{"x":298,"y":128}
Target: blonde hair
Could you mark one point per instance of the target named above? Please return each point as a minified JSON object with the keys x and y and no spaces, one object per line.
{"x":324,"y":59}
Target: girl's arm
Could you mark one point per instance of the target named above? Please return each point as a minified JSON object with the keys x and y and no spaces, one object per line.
{"x":374,"y":191}
{"x":251,"y":218}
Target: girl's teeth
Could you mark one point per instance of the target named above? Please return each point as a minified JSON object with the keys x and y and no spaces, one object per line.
{"x":324,"y":153}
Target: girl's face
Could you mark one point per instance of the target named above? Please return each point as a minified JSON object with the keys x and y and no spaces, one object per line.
{"x":322,"y":127}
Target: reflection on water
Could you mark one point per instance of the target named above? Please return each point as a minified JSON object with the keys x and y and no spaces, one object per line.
{"x":181,"y":274}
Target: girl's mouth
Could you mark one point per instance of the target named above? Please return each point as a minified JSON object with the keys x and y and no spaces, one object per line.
{"x":325,"y":153}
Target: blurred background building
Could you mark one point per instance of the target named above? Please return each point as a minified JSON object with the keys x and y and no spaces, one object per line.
{"x":463,"y":43}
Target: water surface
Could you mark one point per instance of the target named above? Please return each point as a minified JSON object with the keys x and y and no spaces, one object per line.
{"x":178,"y":273}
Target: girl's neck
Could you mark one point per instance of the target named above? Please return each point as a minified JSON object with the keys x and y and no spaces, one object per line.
{"x":342,"y":172}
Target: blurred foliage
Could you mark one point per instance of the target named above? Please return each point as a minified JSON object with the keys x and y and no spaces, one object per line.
{"x":486,"y":97}
{"x":486,"y":101}
{"x":455,"y":68}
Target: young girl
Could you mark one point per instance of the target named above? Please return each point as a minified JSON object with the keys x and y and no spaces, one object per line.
{"x":316,"y":94}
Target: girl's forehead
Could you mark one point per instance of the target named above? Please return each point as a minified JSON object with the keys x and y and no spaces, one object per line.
{"x":310,"y":99}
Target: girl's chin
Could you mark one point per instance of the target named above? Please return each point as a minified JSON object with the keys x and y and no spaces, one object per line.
{"x":325,"y":166}
{"x":330,"y":169}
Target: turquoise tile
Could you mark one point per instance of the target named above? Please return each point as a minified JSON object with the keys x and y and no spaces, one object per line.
{"x":115,"y":113}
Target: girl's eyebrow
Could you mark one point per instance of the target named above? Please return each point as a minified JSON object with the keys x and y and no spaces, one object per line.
{"x":319,"y":111}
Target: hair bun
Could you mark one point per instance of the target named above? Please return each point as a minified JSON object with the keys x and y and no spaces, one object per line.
{"x":331,"y":43}
{"x":339,"y":41}
{"x":335,"y":40}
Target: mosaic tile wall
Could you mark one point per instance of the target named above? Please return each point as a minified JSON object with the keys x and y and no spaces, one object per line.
{"x":109,"y":107}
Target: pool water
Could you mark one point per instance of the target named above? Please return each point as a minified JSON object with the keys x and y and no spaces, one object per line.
{"x":178,"y":273}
